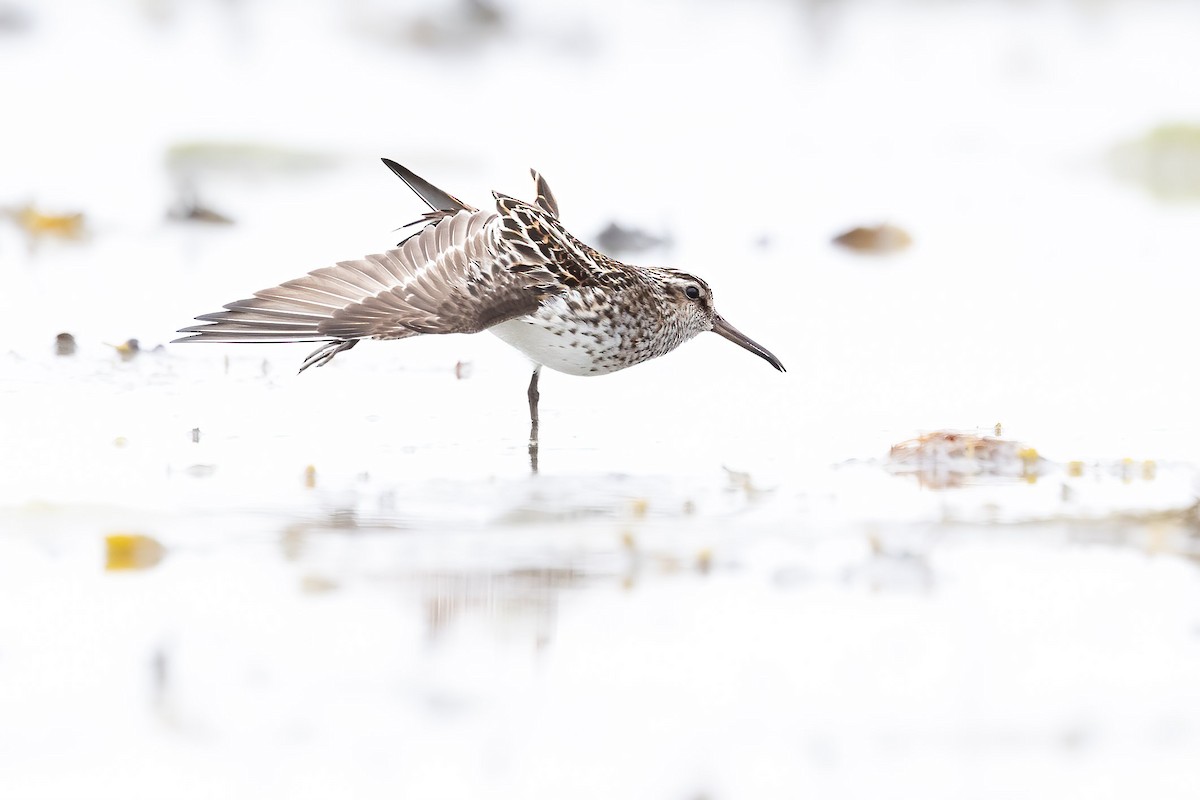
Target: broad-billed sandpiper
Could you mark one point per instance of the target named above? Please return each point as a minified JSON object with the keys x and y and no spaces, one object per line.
{"x":514,"y":271}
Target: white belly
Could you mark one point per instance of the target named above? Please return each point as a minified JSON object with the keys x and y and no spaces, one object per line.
{"x":556,"y":347}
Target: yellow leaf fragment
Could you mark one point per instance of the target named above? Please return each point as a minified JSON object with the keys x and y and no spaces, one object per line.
{"x":129,"y":551}
{"x":38,"y":224}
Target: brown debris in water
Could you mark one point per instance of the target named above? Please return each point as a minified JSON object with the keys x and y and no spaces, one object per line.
{"x":64,"y":345}
{"x":946,"y":459}
{"x":879,"y":240}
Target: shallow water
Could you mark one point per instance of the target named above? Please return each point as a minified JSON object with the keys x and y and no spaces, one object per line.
{"x":218,"y":577}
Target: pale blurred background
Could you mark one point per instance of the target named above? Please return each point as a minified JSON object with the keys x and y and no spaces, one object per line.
{"x":951,"y":553}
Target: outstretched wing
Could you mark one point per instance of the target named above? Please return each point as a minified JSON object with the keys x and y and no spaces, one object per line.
{"x":455,"y":276}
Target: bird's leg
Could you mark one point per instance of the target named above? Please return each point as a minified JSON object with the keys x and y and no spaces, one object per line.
{"x":533,"y":418}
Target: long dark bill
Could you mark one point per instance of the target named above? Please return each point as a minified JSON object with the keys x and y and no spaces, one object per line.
{"x":737,"y":337}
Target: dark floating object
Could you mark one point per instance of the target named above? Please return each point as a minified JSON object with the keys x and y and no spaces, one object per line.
{"x":460,"y":26}
{"x":879,"y":240}
{"x":196,"y":212}
{"x":616,"y":239}
{"x":64,"y":345}
{"x":189,"y":207}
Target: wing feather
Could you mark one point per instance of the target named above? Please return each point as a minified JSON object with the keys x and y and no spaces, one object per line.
{"x":545,"y":197}
{"x":435,"y":198}
{"x":455,"y":276}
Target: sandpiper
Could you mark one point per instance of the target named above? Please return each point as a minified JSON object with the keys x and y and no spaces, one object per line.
{"x":514,"y":271}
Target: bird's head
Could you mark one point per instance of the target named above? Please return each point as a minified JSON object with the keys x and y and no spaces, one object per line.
{"x":692,"y":302}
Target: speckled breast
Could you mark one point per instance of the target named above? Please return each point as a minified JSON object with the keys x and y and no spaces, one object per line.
{"x":568,"y":337}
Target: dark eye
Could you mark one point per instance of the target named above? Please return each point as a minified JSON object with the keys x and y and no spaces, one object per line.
{"x":693,"y":292}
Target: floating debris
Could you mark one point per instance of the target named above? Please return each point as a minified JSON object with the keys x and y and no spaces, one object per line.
{"x":39,"y":225}
{"x":618,"y":240}
{"x":193,"y":210}
{"x":64,"y":345}
{"x":310,"y":477}
{"x":638,"y":507}
{"x":317,"y":584}
{"x":127,"y":349}
{"x":947,"y":459}
{"x":469,"y":24}
{"x":743,"y":483}
{"x":131,"y":551}
{"x":1165,"y":162}
{"x":463,"y":370}
{"x":1128,"y":469}
{"x":195,"y":436}
{"x":459,"y":26}
{"x":880,"y":240}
